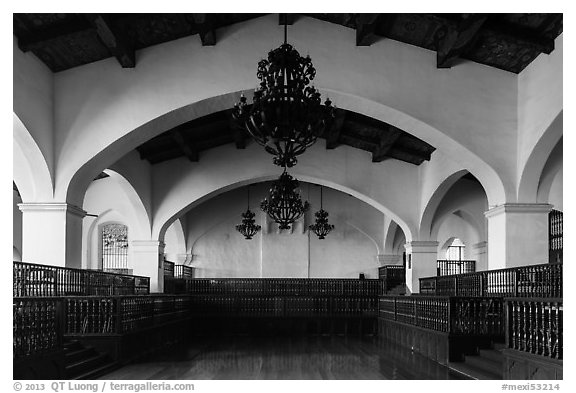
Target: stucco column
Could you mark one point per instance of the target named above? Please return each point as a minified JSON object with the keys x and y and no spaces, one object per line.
{"x":389,"y":259}
{"x":149,"y":262}
{"x":517,"y":234}
{"x":52,"y":234}
{"x":480,"y":255}
{"x":421,"y":259}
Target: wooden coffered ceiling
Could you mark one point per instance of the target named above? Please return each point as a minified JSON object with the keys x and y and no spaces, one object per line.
{"x":353,"y":129}
{"x":505,"y":41}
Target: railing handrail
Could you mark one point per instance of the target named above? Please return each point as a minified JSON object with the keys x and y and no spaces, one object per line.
{"x":79,"y":269}
{"x":497,"y":270}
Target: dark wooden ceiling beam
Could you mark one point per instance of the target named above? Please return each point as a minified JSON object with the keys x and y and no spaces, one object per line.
{"x":332,"y":134}
{"x":114,"y":39}
{"x":205,"y":25}
{"x":417,"y":154}
{"x":188,"y":151}
{"x":529,"y":37}
{"x":458,"y":39}
{"x":35,"y":40}
{"x":238,"y":133}
{"x":366,"y":29}
{"x":386,"y":143}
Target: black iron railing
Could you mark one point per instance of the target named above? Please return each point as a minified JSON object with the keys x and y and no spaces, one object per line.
{"x":445,"y":267}
{"x":535,"y":326}
{"x":31,"y":279}
{"x":182,"y":271}
{"x":283,"y":306}
{"x":454,"y":315}
{"x":169,"y":269}
{"x":392,"y":276}
{"x":37,"y":326}
{"x":526,"y":281}
{"x":555,"y":236}
{"x":278,"y":286}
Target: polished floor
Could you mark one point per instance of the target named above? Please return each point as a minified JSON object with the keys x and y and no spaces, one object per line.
{"x":278,"y":358}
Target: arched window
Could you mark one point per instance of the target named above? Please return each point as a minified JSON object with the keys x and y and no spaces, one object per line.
{"x":114,"y":240}
{"x":455,"y":251}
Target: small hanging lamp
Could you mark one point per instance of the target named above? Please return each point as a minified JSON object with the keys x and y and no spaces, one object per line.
{"x":248,"y":228}
{"x":321,"y":227}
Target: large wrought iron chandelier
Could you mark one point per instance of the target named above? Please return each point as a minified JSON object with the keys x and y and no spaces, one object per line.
{"x":286,"y":116}
{"x":248,"y":227}
{"x":321,"y":227}
{"x":284,"y":205}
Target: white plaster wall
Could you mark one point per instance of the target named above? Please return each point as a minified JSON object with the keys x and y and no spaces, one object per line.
{"x":540,"y":89}
{"x":33,"y":93}
{"x":174,"y":242}
{"x":454,"y":226}
{"x":106,"y":198}
{"x":220,"y":251}
{"x":390,"y":186}
{"x":99,"y":102}
{"x":468,"y":199}
{"x":16,"y":222}
{"x":555,"y":197}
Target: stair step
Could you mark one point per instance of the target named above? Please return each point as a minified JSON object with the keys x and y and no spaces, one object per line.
{"x":72,"y":345}
{"x":473,"y":372}
{"x":85,"y":365}
{"x":492,"y":354}
{"x":99,"y":372}
{"x":485,"y":364}
{"x":76,"y":356}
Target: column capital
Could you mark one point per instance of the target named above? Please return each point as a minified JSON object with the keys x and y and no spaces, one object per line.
{"x":389,"y":259}
{"x":421,"y":246}
{"x":55,"y":207}
{"x":530,"y":208}
{"x":147,"y":245}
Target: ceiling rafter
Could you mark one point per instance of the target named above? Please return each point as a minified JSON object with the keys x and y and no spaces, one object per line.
{"x":387,"y":141}
{"x":366,"y":29}
{"x":36,"y":40}
{"x":333,"y":133}
{"x":114,"y":39}
{"x":188,"y":151}
{"x":205,"y":25}
{"x":458,"y":39}
{"x":529,"y":37}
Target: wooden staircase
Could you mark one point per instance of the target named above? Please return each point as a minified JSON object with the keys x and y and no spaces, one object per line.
{"x":85,"y":362}
{"x":487,"y":364}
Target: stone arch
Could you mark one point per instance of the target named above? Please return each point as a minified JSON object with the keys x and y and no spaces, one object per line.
{"x":532,"y":171}
{"x":178,"y":233}
{"x":389,"y":238}
{"x":425,"y":228}
{"x":160,"y":227}
{"x":464,"y":215}
{"x":30,"y":170}
{"x":487,"y":175}
{"x":141,"y":214}
{"x":551,"y":170}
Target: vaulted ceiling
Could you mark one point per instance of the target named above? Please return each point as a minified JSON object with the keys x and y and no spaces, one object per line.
{"x":505,"y":41}
{"x":383,"y":140}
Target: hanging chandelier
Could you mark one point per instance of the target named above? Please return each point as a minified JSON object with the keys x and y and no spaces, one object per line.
{"x":321,"y":227}
{"x":248,"y":228}
{"x":284,"y":205}
{"x":286,"y":116}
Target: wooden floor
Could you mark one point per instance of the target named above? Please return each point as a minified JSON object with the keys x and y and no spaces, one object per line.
{"x":276,"y":358}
